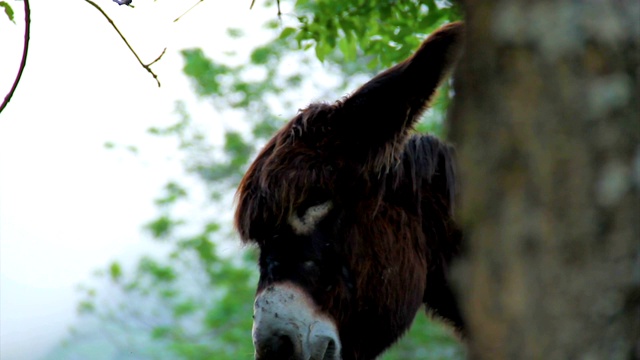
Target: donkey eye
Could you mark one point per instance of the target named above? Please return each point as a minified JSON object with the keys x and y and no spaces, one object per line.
{"x":272,"y":265}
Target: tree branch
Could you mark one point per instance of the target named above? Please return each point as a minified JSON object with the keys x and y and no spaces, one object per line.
{"x":145,"y":66}
{"x":158,"y":58}
{"x":277,"y":2}
{"x":188,"y":10}
{"x":23,"y":62}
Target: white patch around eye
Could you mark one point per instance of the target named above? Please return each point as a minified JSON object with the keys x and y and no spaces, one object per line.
{"x":305,"y":225}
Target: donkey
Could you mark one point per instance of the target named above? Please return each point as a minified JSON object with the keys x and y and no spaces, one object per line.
{"x":352,"y":214}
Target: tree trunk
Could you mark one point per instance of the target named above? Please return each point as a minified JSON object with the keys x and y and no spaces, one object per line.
{"x":547,"y":125}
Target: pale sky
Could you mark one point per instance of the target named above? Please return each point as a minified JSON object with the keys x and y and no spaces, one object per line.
{"x":67,"y":205}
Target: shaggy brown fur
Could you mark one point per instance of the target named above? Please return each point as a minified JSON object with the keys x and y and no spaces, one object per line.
{"x":385,"y":246}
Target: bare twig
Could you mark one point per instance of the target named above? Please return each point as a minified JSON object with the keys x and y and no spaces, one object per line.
{"x":23,"y":62}
{"x":158,"y":58}
{"x":188,"y":10}
{"x":145,"y":66}
{"x":277,"y":2}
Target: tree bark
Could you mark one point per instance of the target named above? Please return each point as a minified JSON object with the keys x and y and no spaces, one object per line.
{"x":547,"y":126}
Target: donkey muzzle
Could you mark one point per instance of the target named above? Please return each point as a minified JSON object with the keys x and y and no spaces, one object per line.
{"x":287,"y":325}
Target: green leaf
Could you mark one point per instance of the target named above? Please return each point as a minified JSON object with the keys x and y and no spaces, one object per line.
{"x":322,"y":50}
{"x":162,"y":227}
{"x":160,"y":273}
{"x":287,"y":32}
{"x":8,"y":10}
{"x":203,"y":247}
{"x":86,"y":307}
{"x":260,"y":56}
{"x":348,"y":49}
{"x":115,"y":271}
{"x":172,"y":193}
{"x":185,"y":308}
{"x":168,"y":293}
{"x":206,"y":74}
{"x":237,"y":148}
{"x":212,"y":227}
{"x":235,"y":33}
{"x":160,"y":332}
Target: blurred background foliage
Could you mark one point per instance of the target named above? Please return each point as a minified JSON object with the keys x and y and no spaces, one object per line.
{"x":192,"y":298}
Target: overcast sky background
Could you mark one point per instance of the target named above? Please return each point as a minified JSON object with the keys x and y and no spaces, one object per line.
{"x":67,"y":205}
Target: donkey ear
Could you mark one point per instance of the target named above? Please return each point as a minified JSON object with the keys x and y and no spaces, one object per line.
{"x":392,"y":101}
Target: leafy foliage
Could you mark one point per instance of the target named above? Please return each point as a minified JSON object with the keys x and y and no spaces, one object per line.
{"x":8,"y":10}
{"x":380,"y":29}
{"x":193,"y":298}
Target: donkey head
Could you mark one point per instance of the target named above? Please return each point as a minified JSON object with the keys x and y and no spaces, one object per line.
{"x":337,"y":207}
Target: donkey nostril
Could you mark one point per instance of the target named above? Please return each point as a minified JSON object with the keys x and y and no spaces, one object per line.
{"x":276,"y":348}
{"x":330,"y":353}
{"x":324,"y":347}
{"x":283,"y":348}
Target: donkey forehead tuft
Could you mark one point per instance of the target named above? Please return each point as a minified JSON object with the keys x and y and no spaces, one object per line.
{"x":313,"y":215}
